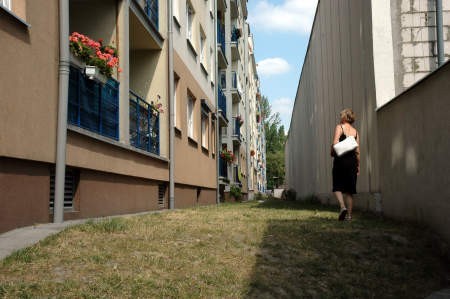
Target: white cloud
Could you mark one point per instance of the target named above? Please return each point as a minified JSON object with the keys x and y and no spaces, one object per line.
{"x":283,"y":106}
{"x":289,"y":16}
{"x":273,"y":66}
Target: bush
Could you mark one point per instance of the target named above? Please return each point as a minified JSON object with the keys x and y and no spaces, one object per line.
{"x":236,"y":192}
{"x":259,"y":196}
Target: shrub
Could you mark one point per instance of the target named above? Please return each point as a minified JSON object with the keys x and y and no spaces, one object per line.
{"x":236,"y":192}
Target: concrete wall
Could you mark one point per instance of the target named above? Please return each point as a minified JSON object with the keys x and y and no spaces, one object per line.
{"x":24,"y":193}
{"x":29,"y":82}
{"x":337,"y":73}
{"x":414,"y":132}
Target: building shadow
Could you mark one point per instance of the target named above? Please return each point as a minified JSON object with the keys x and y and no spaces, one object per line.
{"x":318,"y":257}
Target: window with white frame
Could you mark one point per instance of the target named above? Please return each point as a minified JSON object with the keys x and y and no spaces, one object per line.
{"x":202,"y":47}
{"x":6,"y":4}
{"x":175,"y":106}
{"x":176,"y":8}
{"x":190,"y":115}
{"x":211,"y":64}
{"x":205,"y":129}
{"x":189,"y":20}
{"x":213,"y":136}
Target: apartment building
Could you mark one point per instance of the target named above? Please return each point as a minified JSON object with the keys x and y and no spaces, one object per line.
{"x":195,"y":102}
{"x":255,"y":129}
{"x":236,"y":94}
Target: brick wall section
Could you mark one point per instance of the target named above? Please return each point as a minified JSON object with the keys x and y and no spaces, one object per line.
{"x":418,"y":38}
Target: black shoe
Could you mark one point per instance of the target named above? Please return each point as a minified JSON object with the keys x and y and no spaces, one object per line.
{"x":342,"y":214}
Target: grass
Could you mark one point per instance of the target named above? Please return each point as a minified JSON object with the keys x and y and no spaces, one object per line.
{"x":269,"y":250}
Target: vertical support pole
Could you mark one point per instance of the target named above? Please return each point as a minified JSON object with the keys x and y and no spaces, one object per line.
{"x":440,"y":33}
{"x":171,"y":108}
{"x":61,"y":137}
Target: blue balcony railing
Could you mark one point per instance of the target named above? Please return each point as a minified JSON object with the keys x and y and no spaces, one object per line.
{"x":221,"y":37}
{"x":92,"y":105}
{"x":152,"y":10}
{"x":223,"y":168}
{"x":144,"y":125}
{"x":222,"y":102}
{"x":236,"y":127}
{"x":234,"y":79}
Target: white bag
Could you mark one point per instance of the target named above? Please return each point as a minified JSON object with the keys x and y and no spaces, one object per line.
{"x":345,"y":146}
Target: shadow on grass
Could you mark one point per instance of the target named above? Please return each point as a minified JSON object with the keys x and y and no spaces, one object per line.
{"x":294,"y":205}
{"x":324,"y":258}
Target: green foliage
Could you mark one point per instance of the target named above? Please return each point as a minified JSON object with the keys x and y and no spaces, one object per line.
{"x":105,"y":226}
{"x":275,"y":140}
{"x":236,"y":192}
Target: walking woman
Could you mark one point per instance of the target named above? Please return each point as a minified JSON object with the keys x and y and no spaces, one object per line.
{"x":345,"y":167}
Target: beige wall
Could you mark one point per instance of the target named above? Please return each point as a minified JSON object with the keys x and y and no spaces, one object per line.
{"x":24,"y":193}
{"x":87,"y":152}
{"x":337,"y":73}
{"x":29,"y":82}
{"x":193,"y":165}
{"x":414,"y":132}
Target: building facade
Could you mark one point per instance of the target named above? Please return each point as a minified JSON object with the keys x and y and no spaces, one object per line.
{"x":368,"y":56}
{"x":117,"y":148}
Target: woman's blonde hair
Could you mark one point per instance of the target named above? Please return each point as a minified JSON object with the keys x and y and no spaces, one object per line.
{"x":348,"y":115}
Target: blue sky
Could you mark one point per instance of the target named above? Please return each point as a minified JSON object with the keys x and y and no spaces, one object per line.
{"x":281,"y":31}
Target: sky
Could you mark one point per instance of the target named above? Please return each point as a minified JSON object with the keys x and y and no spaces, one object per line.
{"x":281,"y":30}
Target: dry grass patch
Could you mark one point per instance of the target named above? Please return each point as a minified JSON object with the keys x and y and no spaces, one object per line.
{"x":247,"y":250}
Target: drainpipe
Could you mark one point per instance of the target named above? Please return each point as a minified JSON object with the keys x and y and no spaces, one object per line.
{"x":61,"y":137}
{"x":216,"y":71}
{"x":247,"y":103}
{"x":439,"y":33}
{"x":171,"y":109}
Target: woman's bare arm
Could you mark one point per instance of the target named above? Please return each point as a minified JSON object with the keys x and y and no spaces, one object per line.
{"x":337,"y":134}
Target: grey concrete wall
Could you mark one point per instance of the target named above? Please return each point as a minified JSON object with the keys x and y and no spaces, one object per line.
{"x":414,"y":132}
{"x":337,"y":73}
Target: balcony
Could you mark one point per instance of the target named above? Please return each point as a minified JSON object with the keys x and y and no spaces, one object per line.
{"x":223,"y":168}
{"x":144,"y":125}
{"x":236,"y":133}
{"x":223,"y":121}
{"x":144,"y":25}
{"x":235,"y":35}
{"x":92,"y":105}
{"x":223,"y":63}
{"x":235,"y":90}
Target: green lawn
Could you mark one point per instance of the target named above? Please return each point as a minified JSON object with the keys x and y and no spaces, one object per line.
{"x":249,"y":250}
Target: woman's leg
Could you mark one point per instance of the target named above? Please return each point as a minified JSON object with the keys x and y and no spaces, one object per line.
{"x":340,"y":199}
{"x":349,"y":201}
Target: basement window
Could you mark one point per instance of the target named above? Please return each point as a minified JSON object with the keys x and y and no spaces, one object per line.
{"x":70,"y":185}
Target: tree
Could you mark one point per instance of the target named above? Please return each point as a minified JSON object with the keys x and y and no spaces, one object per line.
{"x":275,"y":139}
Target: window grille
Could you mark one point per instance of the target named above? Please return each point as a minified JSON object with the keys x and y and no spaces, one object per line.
{"x":93,"y":106}
{"x":70,"y":184}
{"x":161,"y":196}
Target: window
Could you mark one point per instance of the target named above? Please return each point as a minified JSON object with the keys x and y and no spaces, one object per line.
{"x":189,"y":19}
{"x":202,"y":47}
{"x":213,"y":136}
{"x":211,"y":64}
{"x":6,"y":4}
{"x":176,"y":8}
{"x":175,"y":106}
{"x":205,"y":129}
{"x":190,"y":115}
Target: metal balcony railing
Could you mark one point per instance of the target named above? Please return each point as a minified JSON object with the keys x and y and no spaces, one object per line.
{"x":234,"y":80}
{"x":144,"y":124}
{"x":221,"y":37}
{"x":222,"y":102}
{"x":223,"y":168}
{"x":152,"y":10}
{"x":92,"y":105}
{"x":236,"y":127}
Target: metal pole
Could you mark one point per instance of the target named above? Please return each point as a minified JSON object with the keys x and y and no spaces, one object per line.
{"x":61,"y":137}
{"x":172,"y":109}
{"x":439,"y":33}
{"x":216,"y":70}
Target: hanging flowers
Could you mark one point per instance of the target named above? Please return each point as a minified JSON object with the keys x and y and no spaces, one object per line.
{"x":94,"y":53}
{"x":227,"y":155}
{"x":252,"y":152}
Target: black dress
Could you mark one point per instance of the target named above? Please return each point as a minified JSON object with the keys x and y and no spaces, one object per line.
{"x":345,"y":169}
